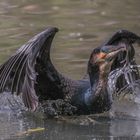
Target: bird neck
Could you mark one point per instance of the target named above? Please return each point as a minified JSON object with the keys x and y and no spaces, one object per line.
{"x":98,"y":77}
{"x":99,"y":83}
{"x":99,"y":98}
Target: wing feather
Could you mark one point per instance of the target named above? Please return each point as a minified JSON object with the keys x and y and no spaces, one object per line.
{"x":18,"y":73}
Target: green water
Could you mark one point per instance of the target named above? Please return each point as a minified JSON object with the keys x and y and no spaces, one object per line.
{"x":84,"y":25}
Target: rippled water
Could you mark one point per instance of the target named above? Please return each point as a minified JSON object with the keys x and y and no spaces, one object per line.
{"x":84,"y":25}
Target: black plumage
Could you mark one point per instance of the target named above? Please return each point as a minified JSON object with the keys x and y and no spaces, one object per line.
{"x":30,"y":73}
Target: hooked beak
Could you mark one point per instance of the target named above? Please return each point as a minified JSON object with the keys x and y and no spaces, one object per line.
{"x":110,"y":52}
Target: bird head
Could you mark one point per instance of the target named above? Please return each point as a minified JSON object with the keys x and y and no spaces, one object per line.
{"x":101,"y":59}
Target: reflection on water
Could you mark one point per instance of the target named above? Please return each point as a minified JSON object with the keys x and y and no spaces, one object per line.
{"x":83,"y":26}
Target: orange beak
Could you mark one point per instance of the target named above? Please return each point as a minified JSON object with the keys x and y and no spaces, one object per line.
{"x":101,"y":55}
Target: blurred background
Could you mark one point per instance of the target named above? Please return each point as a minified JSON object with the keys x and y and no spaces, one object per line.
{"x":84,"y":25}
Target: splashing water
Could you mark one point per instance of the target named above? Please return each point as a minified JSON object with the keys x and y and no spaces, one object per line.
{"x":11,"y":103}
{"x":132,"y":87}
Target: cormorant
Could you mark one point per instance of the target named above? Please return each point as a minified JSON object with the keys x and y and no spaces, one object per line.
{"x":31,"y":74}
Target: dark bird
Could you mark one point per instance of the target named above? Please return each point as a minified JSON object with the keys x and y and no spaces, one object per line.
{"x":31,"y":74}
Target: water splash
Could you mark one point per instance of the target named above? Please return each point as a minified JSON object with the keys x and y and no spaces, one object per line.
{"x":132,"y":86}
{"x":11,"y":103}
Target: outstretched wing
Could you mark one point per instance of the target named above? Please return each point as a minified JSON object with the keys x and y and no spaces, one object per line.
{"x":122,"y":35}
{"x":18,"y":74}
